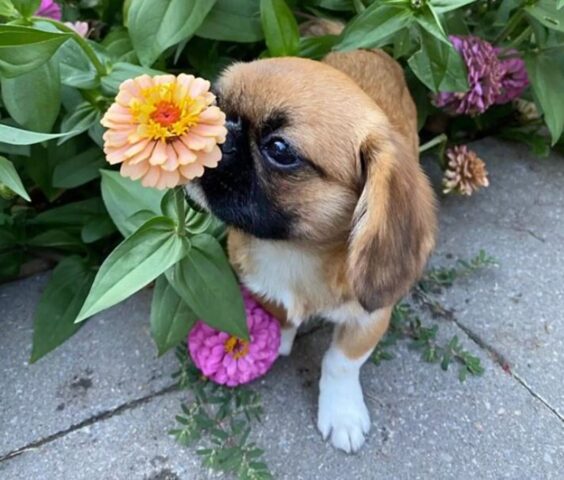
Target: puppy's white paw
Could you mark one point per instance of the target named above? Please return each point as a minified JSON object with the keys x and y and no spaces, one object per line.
{"x":287,"y":336}
{"x":345,"y":420}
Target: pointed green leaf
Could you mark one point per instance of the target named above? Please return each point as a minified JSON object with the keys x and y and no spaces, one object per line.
{"x":442,"y":6}
{"x":439,"y":66}
{"x":60,"y":304}
{"x":429,"y":20}
{"x":376,"y":25}
{"x":155,"y":25}
{"x":17,"y":136}
{"x":124,"y":197}
{"x":171,"y":319}
{"x":23,"y":49}
{"x":135,"y":262}
{"x":80,"y":169}
{"x":547,"y":13}
{"x":546,"y":73}
{"x":9,"y":177}
{"x":34,"y":98}
{"x":205,"y":281}
{"x":233,"y":21}
{"x":280,"y":28}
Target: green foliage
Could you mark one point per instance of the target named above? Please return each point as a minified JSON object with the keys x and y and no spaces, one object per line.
{"x":55,"y":86}
{"x":219,"y":422}
{"x":406,"y":324}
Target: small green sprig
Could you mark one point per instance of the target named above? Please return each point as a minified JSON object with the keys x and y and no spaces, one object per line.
{"x":220,"y":419}
{"x":406,"y":325}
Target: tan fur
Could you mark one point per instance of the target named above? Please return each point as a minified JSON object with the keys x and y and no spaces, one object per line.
{"x":357,"y":340}
{"x":368,"y":224}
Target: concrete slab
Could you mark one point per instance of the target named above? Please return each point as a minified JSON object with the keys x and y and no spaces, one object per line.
{"x":109,"y":362}
{"x":518,"y":307}
{"x":425,"y":425}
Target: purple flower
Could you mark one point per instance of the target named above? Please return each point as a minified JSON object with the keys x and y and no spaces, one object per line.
{"x":484,"y":78}
{"x":514,"y":79}
{"x":229,"y":360}
{"x":49,"y":8}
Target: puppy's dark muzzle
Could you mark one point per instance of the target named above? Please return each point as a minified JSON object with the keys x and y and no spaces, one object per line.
{"x":234,"y":138}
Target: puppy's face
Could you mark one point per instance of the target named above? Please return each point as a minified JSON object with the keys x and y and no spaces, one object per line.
{"x":291,"y":166}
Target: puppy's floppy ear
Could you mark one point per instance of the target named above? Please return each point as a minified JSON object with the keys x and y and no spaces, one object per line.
{"x":394,"y":223}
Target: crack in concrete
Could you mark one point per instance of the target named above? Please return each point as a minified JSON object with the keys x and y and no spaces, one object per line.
{"x":104,"y":415}
{"x":500,"y":359}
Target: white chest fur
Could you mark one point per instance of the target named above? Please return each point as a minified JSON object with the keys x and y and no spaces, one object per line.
{"x":287,"y":274}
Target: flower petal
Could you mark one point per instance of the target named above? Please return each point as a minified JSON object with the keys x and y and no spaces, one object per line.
{"x":159,"y":154}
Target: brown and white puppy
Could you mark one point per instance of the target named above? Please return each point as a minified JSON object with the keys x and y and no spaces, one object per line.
{"x":329,"y":211}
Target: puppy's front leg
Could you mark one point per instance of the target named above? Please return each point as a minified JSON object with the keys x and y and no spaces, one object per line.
{"x":342,"y":413}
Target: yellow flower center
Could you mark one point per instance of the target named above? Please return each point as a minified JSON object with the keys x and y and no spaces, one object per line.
{"x":164,"y":112}
{"x":236,"y":347}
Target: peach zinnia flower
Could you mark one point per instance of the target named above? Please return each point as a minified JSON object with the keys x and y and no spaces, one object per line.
{"x":164,"y":130}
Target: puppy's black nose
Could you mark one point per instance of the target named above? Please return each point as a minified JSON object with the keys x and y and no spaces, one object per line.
{"x":234,"y":127}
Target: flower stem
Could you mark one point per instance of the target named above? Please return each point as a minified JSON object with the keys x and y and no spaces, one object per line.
{"x":442,"y":138}
{"x":86,"y":48}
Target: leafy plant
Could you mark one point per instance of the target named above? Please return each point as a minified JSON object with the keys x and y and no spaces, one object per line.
{"x":219,"y":420}
{"x":62,"y":204}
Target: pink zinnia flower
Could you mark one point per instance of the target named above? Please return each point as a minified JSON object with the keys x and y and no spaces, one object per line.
{"x":164,"y":130}
{"x":232,"y":361}
{"x":514,"y":78}
{"x":50,"y":9}
{"x":484,"y":78}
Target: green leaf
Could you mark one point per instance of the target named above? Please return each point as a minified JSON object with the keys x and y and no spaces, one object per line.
{"x":559,"y":4}
{"x":280,"y":28}
{"x":60,"y":239}
{"x":23,"y":49}
{"x":10,"y":264}
{"x":80,"y":169}
{"x":34,"y":98}
{"x":439,"y":66}
{"x":317,"y":47}
{"x":155,"y":25}
{"x":121,"y":72}
{"x":233,"y":21}
{"x":442,"y":6}
{"x":429,"y":20}
{"x":79,"y":120}
{"x":76,"y":69}
{"x":10,"y":178}
{"x":171,"y":319}
{"x":99,"y":227}
{"x":339,"y":5}
{"x":374,"y":27}
{"x":118,"y":45}
{"x":73,"y":214}
{"x":59,"y":305}
{"x":546,"y":12}
{"x":135,"y":262}
{"x":546,"y":73}
{"x":26,"y":7}
{"x":205,"y":281}
{"x":124,"y":197}
{"x":17,"y":136}
{"x":7,"y":9}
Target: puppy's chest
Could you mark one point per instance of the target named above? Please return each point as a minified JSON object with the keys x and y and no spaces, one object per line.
{"x":291,"y":277}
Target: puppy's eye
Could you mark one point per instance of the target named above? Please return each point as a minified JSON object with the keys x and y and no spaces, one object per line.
{"x":279,"y":153}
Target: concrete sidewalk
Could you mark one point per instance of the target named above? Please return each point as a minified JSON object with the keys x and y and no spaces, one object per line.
{"x":100,"y":406}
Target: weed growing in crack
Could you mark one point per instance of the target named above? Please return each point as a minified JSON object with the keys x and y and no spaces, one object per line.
{"x":406,"y":324}
{"x":219,"y":420}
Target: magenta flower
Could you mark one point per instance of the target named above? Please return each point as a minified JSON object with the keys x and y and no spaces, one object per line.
{"x":50,"y":9}
{"x":514,"y":78}
{"x":232,"y":361}
{"x":484,"y":78}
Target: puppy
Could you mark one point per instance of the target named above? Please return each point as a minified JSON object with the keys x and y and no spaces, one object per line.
{"x":329,"y":212}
